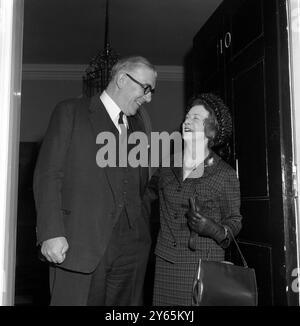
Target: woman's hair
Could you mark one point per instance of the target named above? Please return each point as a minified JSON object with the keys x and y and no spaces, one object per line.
{"x":218,"y":126}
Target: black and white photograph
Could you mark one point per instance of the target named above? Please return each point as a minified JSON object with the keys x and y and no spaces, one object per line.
{"x":149,"y":154}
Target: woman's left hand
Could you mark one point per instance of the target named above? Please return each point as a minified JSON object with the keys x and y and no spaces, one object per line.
{"x":205,"y":226}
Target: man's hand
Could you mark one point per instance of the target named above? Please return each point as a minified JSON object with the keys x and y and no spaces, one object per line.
{"x":55,"y":249}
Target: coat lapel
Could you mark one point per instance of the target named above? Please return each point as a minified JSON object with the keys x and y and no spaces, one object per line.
{"x":99,"y":118}
{"x":178,"y":173}
{"x":100,"y":121}
{"x":177,"y":170}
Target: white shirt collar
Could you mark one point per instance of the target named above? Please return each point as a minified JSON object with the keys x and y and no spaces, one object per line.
{"x":112,"y":109}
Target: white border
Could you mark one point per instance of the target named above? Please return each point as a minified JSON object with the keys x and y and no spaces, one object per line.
{"x":11,"y":40}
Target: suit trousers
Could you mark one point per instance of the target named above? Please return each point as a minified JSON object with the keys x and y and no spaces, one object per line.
{"x":118,"y":280}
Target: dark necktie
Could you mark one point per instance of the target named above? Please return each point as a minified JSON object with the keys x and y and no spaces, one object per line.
{"x":121,"y":122}
{"x":123,"y":127}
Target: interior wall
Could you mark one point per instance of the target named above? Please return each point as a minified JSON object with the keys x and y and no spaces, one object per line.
{"x":40,"y":94}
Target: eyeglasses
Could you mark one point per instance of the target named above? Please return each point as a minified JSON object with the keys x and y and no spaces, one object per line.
{"x":146,"y":87}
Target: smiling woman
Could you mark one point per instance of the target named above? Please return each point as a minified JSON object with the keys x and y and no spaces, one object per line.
{"x":199,"y":203}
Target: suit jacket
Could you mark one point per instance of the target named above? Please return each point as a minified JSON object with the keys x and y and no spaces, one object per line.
{"x":218,"y":194}
{"x":74,"y":197}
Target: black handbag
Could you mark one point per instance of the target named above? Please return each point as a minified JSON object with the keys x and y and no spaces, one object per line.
{"x":224,"y":284}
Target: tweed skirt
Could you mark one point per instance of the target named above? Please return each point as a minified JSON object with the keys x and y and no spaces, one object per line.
{"x":173,"y":283}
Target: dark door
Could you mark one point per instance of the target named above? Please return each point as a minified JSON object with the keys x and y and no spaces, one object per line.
{"x":247,"y":91}
{"x":208,"y":56}
{"x":251,"y":88}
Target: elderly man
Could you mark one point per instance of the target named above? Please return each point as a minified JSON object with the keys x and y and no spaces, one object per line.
{"x":90,"y":220}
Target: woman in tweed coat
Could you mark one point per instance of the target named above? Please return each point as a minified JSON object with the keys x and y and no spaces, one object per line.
{"x":199,"y":203}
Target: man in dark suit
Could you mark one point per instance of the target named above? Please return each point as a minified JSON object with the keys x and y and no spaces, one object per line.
{"x":90,"y":220}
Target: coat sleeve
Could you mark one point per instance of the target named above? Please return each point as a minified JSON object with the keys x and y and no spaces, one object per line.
{"x":230,"y":207}
{"x":49,"y":172}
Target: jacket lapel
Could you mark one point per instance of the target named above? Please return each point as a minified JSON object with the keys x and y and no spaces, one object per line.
{"x":178,"y":173}
{"x":99,"y":118}
{"x":177,"y":170}
{"x":100,"y":121}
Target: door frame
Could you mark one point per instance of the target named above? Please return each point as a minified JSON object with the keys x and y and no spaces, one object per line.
{"x":292,"y":55}
{"x":11,"y":44}
{"x":287,"y":150}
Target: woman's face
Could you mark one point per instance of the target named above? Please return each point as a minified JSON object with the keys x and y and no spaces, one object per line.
{"x":195,"y":119}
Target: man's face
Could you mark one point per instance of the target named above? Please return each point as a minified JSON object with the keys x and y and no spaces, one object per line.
{"x":133,"y":93}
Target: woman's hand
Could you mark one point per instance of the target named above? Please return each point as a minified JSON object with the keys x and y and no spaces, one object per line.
{"x":204,"y":226}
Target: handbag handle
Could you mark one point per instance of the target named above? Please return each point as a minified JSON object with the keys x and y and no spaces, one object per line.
{"x":238,"y":248}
